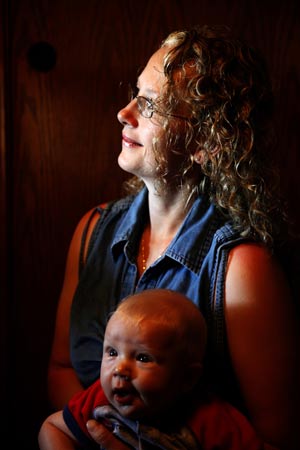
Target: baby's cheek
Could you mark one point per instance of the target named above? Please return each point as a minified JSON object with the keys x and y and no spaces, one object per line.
{"x":156,"y":383}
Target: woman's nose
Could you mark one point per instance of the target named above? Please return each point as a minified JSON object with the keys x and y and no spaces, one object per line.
{"x":127,"y":116}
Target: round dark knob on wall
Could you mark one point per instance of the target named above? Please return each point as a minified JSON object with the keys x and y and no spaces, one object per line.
{"x":42,"y":57}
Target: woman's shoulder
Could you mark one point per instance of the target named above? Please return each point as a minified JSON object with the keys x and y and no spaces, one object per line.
{"x":255,"y":275}
{"x":92,"y":219}
{"x":89,"y":219}
{"x":253,"y":257}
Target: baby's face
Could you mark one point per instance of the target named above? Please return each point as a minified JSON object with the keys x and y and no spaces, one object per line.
{"x":141,"y":372}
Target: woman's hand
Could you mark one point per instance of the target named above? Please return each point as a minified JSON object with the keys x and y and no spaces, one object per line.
{"x":104,"y":437}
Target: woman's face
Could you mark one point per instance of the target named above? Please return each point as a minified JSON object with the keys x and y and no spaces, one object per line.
{"x":140,"y":133}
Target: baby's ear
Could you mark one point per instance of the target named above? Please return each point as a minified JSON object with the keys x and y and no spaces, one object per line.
{"x":193,"y":374}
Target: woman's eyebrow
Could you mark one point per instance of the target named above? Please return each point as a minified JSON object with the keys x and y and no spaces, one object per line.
{"x":148,"y":90}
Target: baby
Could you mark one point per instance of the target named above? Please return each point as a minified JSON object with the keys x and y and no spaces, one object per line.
{"x":150,"y":392}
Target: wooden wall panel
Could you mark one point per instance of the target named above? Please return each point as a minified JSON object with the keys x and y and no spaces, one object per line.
{"x":65,"y":139}
{"x":4,"y":258}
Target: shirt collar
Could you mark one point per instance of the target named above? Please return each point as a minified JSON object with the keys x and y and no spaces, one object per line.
{"x":192,"y":240}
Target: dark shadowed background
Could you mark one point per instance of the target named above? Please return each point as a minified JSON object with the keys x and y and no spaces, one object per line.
{"x":61,"y":66}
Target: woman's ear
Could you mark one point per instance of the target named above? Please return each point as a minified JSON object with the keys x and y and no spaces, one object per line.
{"x":192,"y":376}
{"x":198,"y":157}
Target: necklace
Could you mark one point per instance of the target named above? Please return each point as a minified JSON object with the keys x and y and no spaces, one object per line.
{"x":144,"y":258}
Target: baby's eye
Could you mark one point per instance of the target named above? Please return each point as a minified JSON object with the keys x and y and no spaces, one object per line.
{"x":144,"y":358}
{"x":111,"y":351}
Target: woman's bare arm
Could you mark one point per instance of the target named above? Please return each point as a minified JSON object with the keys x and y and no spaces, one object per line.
{"x":262,"y":328}
{"x":62,"y":379}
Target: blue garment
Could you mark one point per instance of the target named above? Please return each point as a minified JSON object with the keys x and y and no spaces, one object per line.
{"x":145,"y":437}
{"x":194,"y":264}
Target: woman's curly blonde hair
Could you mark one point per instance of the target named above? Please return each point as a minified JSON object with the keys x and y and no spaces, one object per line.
{"x":222,"y":85}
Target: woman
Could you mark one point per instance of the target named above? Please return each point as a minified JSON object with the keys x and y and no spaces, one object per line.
{"x":203,"y":218}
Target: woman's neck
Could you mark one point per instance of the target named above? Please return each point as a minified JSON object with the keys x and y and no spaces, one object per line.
{"x":166,"y":214}
{"x":167,"y":211}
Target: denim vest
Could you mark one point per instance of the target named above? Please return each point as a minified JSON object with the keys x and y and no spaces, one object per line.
{"x":194,"y":263}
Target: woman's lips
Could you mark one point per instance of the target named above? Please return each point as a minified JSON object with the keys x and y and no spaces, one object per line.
{"x":129,"y":142}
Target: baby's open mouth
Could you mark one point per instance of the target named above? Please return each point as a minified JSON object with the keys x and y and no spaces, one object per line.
{"x":120,"y":392}
{"x":123,"y":396}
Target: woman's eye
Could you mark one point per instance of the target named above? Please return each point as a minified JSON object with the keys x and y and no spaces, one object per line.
{"x":133,"y":92}
{"x":149,"y":103}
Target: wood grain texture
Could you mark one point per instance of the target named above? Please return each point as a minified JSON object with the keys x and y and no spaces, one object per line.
{"x":65,"y":138}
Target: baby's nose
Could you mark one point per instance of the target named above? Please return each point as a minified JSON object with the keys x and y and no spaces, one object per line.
{"x":122,"y":372}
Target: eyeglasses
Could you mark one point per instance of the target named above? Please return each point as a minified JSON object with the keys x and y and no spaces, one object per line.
{"x":146,"y":106}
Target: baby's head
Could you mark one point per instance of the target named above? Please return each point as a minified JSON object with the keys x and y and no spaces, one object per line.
{"x":173,"y":311}
{"x":153,"y":351}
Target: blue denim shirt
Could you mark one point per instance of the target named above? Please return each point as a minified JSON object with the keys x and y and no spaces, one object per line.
{"x":194,"y":263}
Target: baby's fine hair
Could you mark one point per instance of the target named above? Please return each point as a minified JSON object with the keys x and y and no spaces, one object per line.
{"x":176,"y":312}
